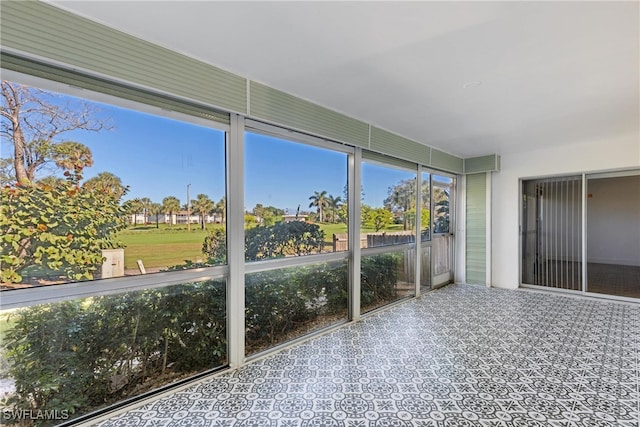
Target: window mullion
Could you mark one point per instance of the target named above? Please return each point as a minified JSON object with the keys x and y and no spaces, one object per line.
{"x":355,"y":185}
{"x":235,"y":242}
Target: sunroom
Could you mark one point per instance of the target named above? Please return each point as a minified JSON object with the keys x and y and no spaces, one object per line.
{"x":200,"y":189}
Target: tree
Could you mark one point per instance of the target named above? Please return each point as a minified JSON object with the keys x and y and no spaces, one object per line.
{"x":221,"y":207}
{"x":334,"y":203}
{"x":132,"y":207}
{"x":320,"y":201}
{"x":203,"y":205}
{"x":156,"y":209}
{"x":106,"y":183}
{"x":402,"y":198}
{"x":268,"y":214}
{"x":61,"y":228}
{"x":69,"y":155}
{"x":379,"y":218}
{"x":33,"y":123}
{"x":145,"y":204}
{"x":441,"y":210}
{"x":170,"y":205}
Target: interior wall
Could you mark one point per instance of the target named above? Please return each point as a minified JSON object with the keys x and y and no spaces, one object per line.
{"x":601,"y":155}
{"x":613,"y":220}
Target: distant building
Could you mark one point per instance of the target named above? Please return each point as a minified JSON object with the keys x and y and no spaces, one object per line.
{"x":175,"y":218}
{"x":292,"y":217}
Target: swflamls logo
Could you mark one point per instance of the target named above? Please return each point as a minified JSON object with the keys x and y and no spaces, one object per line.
{"x":33,"y":414}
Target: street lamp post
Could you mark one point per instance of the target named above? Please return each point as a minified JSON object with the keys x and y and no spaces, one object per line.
{"x":188,"y":209}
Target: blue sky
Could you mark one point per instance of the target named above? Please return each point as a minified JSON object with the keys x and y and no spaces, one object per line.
{"x":158,"y":157}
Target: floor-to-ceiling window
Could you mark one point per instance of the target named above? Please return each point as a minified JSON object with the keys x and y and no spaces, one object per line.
{"x":388,"y":233}
{"x":106,"y":213}
{"x":115,"y":260}
{"x":296,"y":237}
{"x":425,"y":230}
{"x":442,"y":193}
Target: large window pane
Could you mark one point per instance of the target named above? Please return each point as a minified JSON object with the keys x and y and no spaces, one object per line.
{"x":73,"y":357}
{"x":442,"y":192}
{"x":425,"y":198}
{"x":388,"y":205}
{"x":386,"y":278}
{"x":295,"y":198}
{"x":286,"y":303}
{"x":101,"y":191}
{"x":425,"y":268}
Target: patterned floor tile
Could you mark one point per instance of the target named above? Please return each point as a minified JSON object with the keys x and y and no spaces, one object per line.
{"x":459,"y":356}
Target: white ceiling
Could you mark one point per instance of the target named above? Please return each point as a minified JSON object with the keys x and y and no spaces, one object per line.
{"x":549,"y":73}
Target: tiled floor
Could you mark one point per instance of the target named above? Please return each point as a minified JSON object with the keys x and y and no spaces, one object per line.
{"x":459,"y":356}
{"x":611,"y":279}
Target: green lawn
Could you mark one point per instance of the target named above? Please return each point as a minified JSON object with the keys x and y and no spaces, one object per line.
{"x":159,"y":248}
{"x":162,"y":247}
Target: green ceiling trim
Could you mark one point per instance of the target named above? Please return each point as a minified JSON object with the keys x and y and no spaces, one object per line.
{"x":282,"y":108}
{"x":45,"y":32}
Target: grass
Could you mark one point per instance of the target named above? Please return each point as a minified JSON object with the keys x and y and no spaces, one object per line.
{"x":162,"y":247}
{"x":159,"y":248}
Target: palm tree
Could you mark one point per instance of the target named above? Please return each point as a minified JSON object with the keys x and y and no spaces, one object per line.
{"x":320,"y":201}
{"x":170,"y":205}
{"x":145,"y":204}
{"x":221,"y":207}
{"x":156,"y":209}
{"x":107,"y":183}
{"x":203,"y":205}
{"x":133,"y":207}
{"x":71,"y":155}
{"x":334,"y":204}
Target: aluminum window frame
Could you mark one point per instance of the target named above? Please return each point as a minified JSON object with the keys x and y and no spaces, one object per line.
{"x":17,"y":298}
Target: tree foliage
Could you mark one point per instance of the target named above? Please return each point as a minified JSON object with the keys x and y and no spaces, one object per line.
{"x":320,"y":201}
{"x":34,"y":122}
{"x":60,"y":228}
{"x":203,"y":206}
{"x":171,"y":205}
{"x":108,"y":184}
{"x":402,"y":198}
{"x":269,"y":215}
{"x":283,"y":239}
{"x":378,"y":218}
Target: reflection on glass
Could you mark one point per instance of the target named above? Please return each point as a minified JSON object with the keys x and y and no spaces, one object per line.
{"x":386,"y":278}
{"x":295,"y":197}
{"x":388,"y":206}
{"x":286,"y":303}
{"x":425,"y":268}
{"x":103,"y":191}
{"x":442,"y":186}
{"x":425,"y":215}
{"x":74,"y":357}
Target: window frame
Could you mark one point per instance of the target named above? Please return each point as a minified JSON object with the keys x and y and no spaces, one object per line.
{"x":17,"y":298}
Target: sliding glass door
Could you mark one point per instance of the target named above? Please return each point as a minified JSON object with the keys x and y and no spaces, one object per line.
{"x":613,"y":234}
{"x":582,"y":233}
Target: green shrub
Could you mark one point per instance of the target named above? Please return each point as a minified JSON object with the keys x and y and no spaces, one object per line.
{"x":378,"y":279}
{"x":82,"y":355}
{"x":60,"y":229}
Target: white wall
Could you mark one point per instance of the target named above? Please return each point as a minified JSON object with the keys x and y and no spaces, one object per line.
{"x":613,"y":220}
{"x":602,"y":155}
